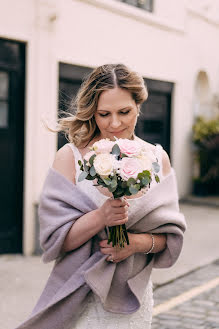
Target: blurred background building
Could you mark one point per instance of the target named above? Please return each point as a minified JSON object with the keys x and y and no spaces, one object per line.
{"x":48,"y":46}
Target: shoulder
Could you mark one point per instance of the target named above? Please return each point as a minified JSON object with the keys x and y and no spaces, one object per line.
{"x":166,"y":165}
{"x":64,"y":162}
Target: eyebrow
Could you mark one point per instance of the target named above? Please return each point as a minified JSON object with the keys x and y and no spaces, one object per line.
{"x":124,"y":108}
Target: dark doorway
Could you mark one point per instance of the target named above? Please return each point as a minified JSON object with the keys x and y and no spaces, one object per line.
{"x":155,"y":120}
{"x":12,"y":75}
{"x":70,"y":79}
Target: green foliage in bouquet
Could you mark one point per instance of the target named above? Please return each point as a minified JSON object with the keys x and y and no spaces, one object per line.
{"x":118,"y":187}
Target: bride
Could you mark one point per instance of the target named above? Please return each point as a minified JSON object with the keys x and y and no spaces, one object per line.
{"x":108,"y":105}
{"x":114,"y":284}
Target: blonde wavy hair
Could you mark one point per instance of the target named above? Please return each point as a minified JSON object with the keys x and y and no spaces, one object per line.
{"x":81,"y":127}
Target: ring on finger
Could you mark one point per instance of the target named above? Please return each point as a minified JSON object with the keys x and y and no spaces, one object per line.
{"x":111,"y":259}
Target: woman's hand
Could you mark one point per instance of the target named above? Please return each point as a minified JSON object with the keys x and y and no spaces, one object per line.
{"x":114,"y":212}
{"x":138,"y":243}
{"x":118,"y":254}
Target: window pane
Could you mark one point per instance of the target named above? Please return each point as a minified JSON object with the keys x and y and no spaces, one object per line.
{"x":4,"y":85}
{"x":3,"y":115}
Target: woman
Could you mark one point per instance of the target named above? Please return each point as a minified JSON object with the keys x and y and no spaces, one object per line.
{"x":114,"y":94}
{"x":114,"y":284}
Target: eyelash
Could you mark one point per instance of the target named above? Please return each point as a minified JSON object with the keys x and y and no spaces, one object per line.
{"x":105,"y":115}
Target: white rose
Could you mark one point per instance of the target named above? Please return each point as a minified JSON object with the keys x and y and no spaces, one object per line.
{"x":146,"y":161}
{"x":104,"y":164}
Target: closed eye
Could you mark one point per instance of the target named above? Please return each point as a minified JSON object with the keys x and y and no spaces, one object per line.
{"x":103,"y":115}
{"x":125,"y":112}
{"x":106,"y":114}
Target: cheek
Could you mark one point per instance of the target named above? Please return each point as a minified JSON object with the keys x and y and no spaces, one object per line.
{"x":131,"y":121}
{"x":101,"y":122}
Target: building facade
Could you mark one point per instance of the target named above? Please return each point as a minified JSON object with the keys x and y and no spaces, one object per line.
{"x":46,"y":48}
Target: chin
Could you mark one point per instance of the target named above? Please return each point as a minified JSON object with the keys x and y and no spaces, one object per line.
{"x":124,"y":135}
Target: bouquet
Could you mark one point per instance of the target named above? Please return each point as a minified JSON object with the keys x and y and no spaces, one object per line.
{"x":124,"y":167}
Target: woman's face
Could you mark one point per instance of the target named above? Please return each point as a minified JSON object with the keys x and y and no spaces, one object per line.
{"x":116,"y":114}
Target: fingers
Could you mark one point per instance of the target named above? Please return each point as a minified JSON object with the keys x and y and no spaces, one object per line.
{"x":118,"y":222}
{"x":118,"y":203}
{"x":117,"y":217}
{"x":105,"y":244}
{"x":115,"y":254}
{"x":115,"y":260}
{"x":114,"y":212}
{"x":121,"y":221}
{"x":120,"y":210}
{"x":106,"y":251}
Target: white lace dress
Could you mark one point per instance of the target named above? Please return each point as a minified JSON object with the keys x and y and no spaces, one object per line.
{"x":94,"y":316}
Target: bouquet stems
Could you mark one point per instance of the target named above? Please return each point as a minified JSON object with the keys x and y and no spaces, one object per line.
{"x":118,"y":235}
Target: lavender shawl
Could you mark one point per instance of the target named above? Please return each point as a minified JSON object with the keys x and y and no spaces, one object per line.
{"x":120,"y":286}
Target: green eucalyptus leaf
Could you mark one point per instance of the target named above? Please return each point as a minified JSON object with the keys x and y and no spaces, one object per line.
{"x":137,"y":186}
{"x":116,"y":150}
{"x":86,"y":167}
{"x":89,"y":177}
{"x":91,"y":160}
{"x":107,"y":181}
{"x":92,"y":171}
{"x":127,"y":192}
{"x":157,"y":178}
{"x":140,"y":175}
{"x":80,"y":163}
{"x":156,"y":167}
{"x":131,"y":181}
{"x":124,"y":184}
{"x":133,"y":190}
{"x":82,"y":176}
{"x":113,"y":183}
{"x":111,"y":189}
{"x":147,"y":173}
{"x":145,"y":180}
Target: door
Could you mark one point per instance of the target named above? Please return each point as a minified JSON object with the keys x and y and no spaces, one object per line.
{"x":154,"y":122}
{"x":12,"y":64}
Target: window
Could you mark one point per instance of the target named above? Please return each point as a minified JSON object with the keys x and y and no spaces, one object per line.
{"x":144,"y":4}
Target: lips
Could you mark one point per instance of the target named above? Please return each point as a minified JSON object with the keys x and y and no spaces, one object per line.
{"x":117,"y":132}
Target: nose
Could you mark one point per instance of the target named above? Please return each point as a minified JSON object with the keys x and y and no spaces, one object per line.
{"x":115,"y":122}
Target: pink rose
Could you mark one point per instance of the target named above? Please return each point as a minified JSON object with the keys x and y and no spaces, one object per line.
{"x":130,"y":167}
{"x":129,"y":147}
{"x":103,"y":146}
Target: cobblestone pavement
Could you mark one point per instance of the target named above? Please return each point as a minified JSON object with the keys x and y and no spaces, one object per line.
{"x":199,"y":312}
